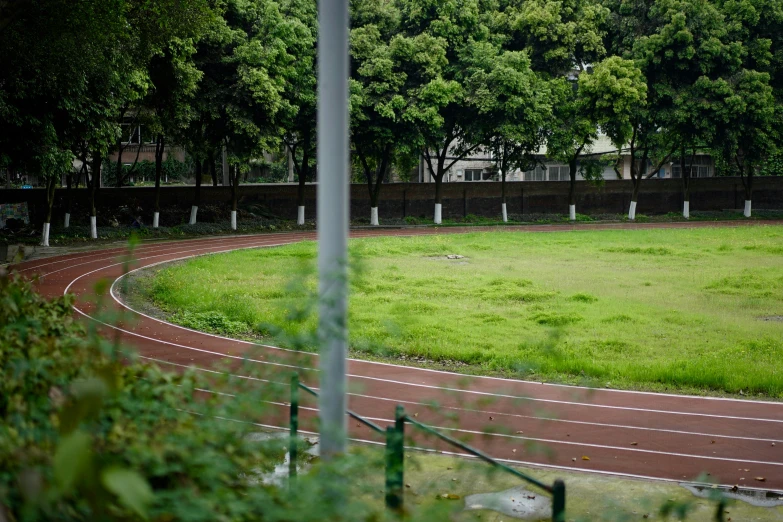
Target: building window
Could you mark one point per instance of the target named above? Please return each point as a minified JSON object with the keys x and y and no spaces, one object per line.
{"x":473,"y":175}
{"x":537,"y":174}
{"x":558,"y":173}
{"x":130,"y":134}
{"x":701,"y":167}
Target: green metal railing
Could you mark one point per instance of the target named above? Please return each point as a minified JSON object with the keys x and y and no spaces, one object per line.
{"x":395,"y":454}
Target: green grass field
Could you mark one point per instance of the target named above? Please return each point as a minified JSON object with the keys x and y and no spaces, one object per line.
{"x":681,"y":310}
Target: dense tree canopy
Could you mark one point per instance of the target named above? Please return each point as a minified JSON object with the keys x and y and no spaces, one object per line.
{"x":664,"y":79}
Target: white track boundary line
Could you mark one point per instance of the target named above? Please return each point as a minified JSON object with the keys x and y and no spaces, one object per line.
{"x":502,"y":379}
{"x":503,"y":435}
{"x":512,"y":461}
{"x":432,"y":387}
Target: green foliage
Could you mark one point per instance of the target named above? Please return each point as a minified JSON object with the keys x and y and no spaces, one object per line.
{"x":172,"y":169}
{"x":211,"y":321}
{"x":88,"y":432}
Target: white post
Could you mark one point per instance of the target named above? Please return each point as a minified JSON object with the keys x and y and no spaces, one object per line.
{"x":632,"y":211}
{"x":374,"y":216}
{"x":686,"y":209}
{"x":300,"y":215}
{"x":438,"y":209}
{"x":333,"y":205}
{"x":193,"y":212}
{"x":505,"y":213}
{"x":155,"y":219}
{"x":67,"y":223}
{"x":45,"y":238}
{"x":93,"y":228}
{"x":233,"y":220}
{"x":572,"y":212}
{"x":747,"y":208}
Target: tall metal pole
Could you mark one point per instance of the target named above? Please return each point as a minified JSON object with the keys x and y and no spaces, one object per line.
{"x":332,"y":221}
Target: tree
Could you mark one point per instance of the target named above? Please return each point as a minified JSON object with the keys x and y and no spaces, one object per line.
{"x":561,"y":39}
{"x":379,"y":130}
{"x":606,"y":96}
{"x":173,"y":84}
{"x":653,"y":36}
{"x":750,"y":130}
{"x":58,"y":78}
{"x":519,"y":104}
{"x":747,"y":132}
{"x":298,"y":111}
{"x":447,"y":52}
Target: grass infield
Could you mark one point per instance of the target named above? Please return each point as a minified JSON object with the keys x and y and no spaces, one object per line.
{"x":693,"y":310}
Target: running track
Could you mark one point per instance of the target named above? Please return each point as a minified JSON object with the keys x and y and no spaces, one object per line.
{"x":623,"y":433}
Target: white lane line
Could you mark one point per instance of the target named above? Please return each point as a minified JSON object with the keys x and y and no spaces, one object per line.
{"x":567,"y":421}
{"x":386,"y":380}
{"x":441,"y":388}
{"x":506,"y":436}
{"x":513,"y":381}
{"x":543,"y":440}
{"x":535,"y":465}
{"x":112,"y":252}
{"x":165,"y":252}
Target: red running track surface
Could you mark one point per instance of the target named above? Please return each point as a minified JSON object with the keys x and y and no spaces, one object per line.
{"x":676,"y":437}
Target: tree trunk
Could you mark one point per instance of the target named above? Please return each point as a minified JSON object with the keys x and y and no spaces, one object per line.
{"x":118,"y":168}
{"x":212,"y":170}
{"x":748,"y":189}
{"x":304,"y":170}
{"x":159,"y":148}
{"x":438,"y":198}
{"x":572,"y":189}
{"x":234,"y":199}
{"x":51,"y":183}
{"x":94,"y":183}
{"x":69,"y":198}
{"x":686,"y":189}
{"x":637,"y":174}
{"x":503,"y":173}
{"x":196,"y":195}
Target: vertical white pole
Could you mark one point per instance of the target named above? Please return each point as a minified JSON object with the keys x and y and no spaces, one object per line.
{"x":332,"y":212}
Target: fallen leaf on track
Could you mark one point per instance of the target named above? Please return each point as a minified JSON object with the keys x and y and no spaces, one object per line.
{"x":585,"y":457}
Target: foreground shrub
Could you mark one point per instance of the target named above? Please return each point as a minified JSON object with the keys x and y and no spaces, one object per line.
{"x":87,"y":432}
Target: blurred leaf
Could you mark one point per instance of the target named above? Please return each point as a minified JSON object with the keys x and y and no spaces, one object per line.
{"x":131,"y":489}
{"x":71,"y":459}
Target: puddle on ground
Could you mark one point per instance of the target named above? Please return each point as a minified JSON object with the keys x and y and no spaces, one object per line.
{"x":279,"y":475}
{"x":516,"y":502}
{"x":754,"y":497}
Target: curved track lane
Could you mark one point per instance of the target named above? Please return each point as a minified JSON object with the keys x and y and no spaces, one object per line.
{"x":652,"y":435}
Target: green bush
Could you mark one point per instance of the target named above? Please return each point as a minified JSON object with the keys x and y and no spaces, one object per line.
{"x":87,"y":432}
{"x":211,"y":321}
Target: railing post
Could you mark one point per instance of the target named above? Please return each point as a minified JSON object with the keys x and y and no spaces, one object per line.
{"x":558,"y":501}
{"x":720,"y":514}
{"x":394,"y":500}
{"x":293,"y":443}
{"x":399,"y":423}
{"x":395,"y":459}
